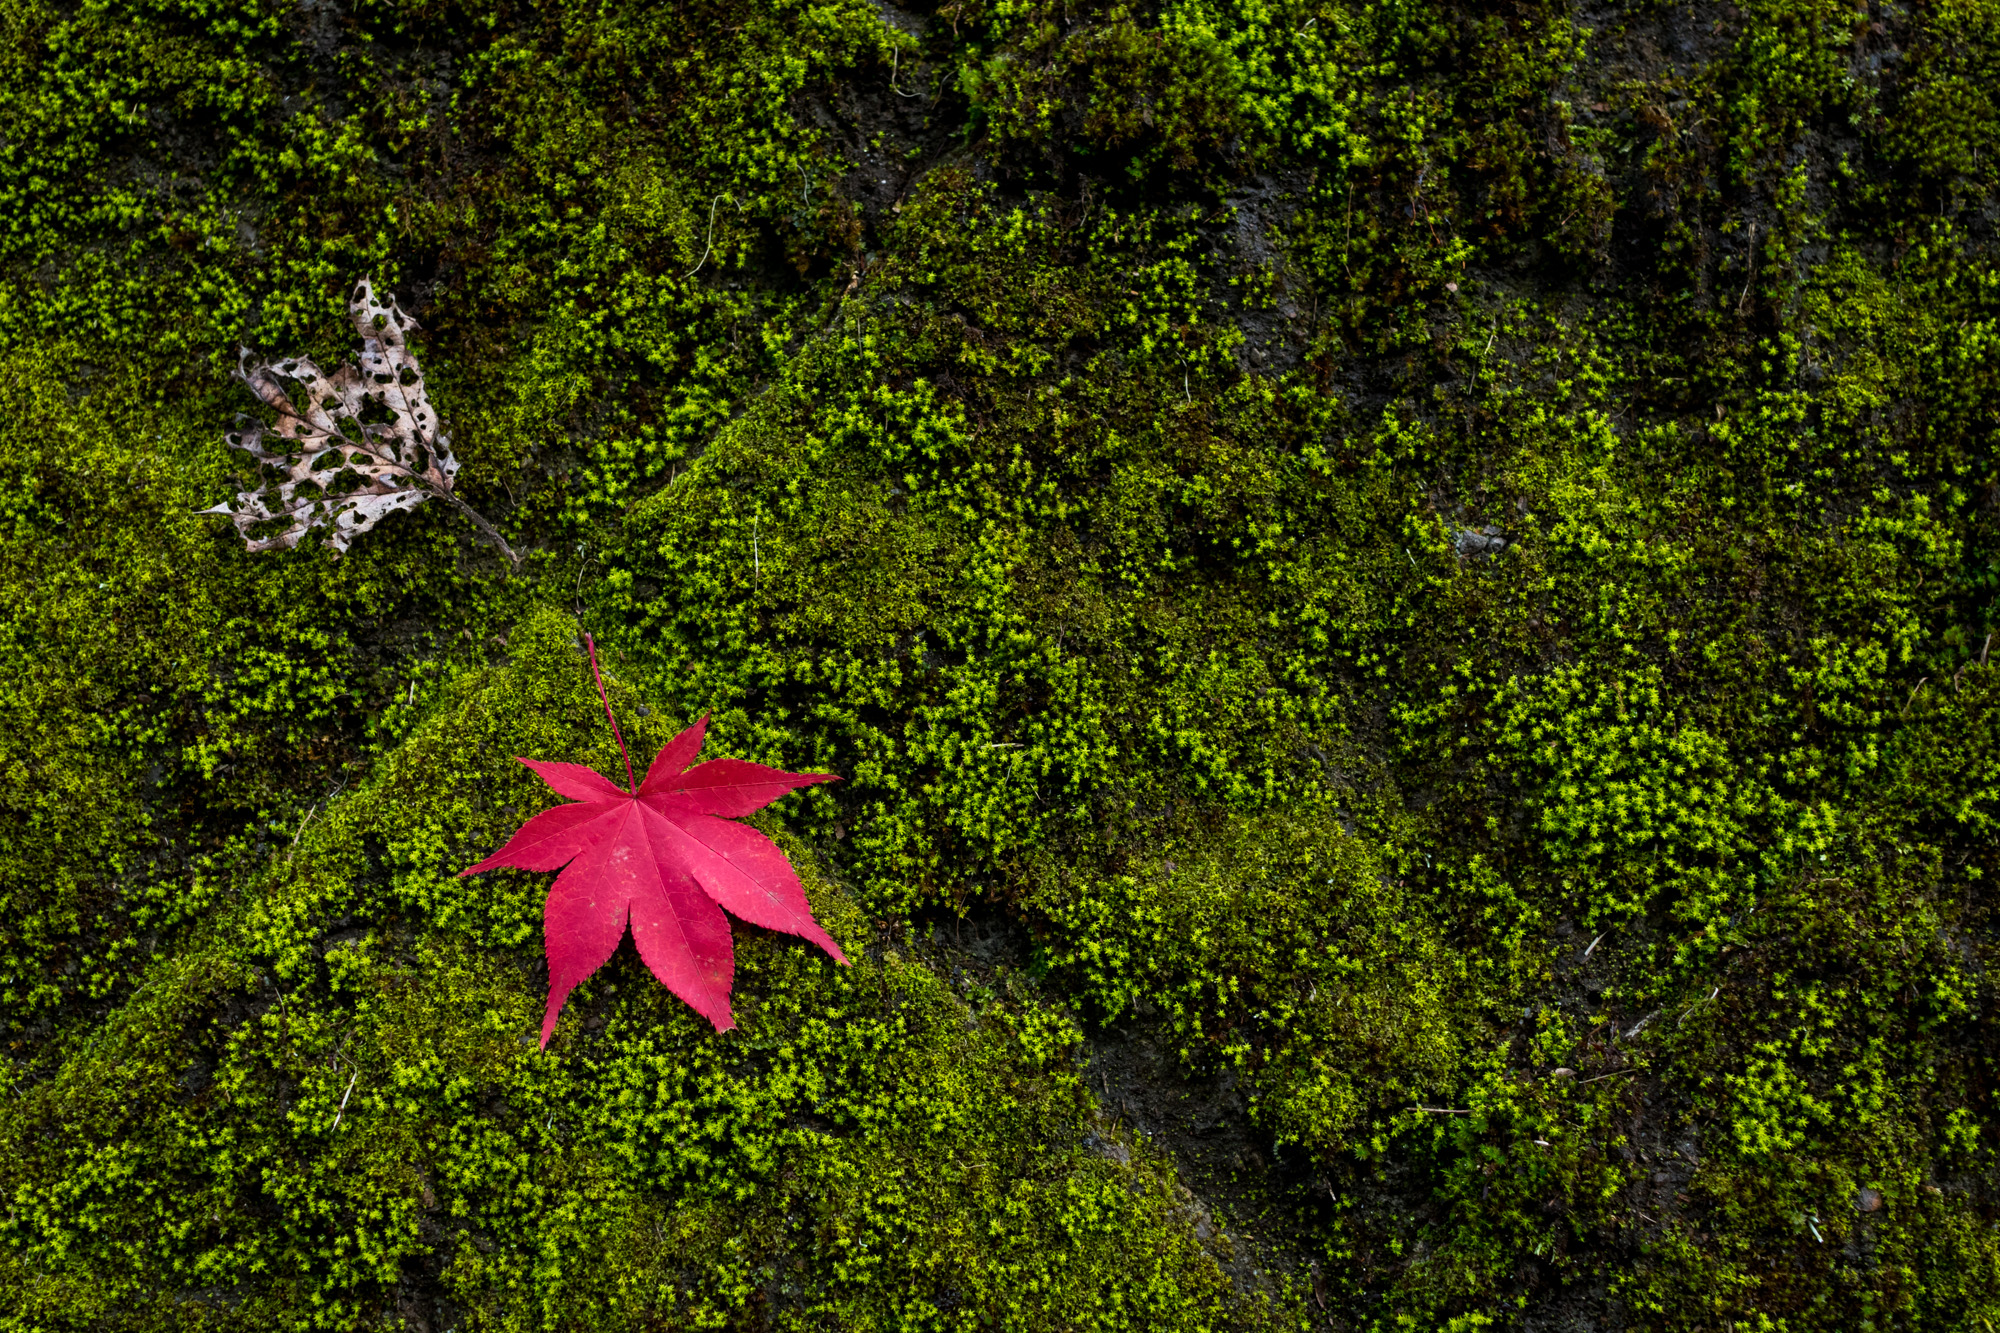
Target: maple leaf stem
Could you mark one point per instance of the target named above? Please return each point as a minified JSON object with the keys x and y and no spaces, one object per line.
{"x":590,"y":645}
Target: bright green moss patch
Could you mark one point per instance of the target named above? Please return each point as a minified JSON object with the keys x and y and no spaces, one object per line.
{"x":160,"y":694}
{"x":1284,"y":947}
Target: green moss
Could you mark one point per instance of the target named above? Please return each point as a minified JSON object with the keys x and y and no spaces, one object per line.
{"x":1282,"y":947}
{"x":1438,"y":561}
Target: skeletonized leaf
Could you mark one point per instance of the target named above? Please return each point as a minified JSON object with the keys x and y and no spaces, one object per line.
{"x":348,"y":446}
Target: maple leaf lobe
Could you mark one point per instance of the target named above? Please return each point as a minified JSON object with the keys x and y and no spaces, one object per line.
{"x":674,"y":757}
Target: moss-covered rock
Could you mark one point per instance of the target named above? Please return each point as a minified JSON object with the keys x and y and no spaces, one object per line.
{"x":1423,"y":577}
{"x":324,"y":1107}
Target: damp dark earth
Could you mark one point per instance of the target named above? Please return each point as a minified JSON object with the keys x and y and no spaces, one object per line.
{"x":1404,"y":597}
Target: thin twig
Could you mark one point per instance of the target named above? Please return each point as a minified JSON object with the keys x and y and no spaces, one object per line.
{"x":1598,"y":1077}
{"x":487,"y":530}
{"x":301,"y":828}
{"x":1751,"y":259}
{"x":1442,"y":1110}
{"x":1593,"y":946}
{"x":1696,"y":1005}
{"x":895,"y":58}
{"x":343,"y":1101}
{"x":710,"y":243}
{"x":582,"y":565}
{"x":590,"y":645}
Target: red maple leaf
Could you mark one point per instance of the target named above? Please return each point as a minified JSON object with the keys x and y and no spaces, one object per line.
{"x":664,"y":855}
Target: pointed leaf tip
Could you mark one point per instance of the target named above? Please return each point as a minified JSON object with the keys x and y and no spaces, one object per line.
{"x":674,"y":757}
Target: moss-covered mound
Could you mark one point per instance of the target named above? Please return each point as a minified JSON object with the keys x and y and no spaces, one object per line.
{"x":1405,"y":594}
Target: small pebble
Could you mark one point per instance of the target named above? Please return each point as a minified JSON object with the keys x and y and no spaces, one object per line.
{"x":1868,"y":1200}
{"x":1562,"y":1071}
{"x":1483,"y":542}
